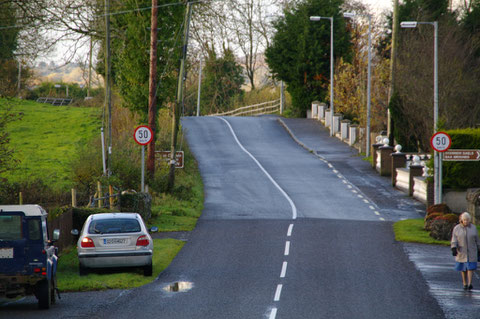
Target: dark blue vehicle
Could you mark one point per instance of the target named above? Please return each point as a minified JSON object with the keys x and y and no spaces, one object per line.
{"x":28,"y":259}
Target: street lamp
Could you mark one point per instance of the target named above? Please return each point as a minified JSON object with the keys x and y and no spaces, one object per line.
{"x":437,"y":161}
{"x":317,"y":18}
{"x":369,"y":81}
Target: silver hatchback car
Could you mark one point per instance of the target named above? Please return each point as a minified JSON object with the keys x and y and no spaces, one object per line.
{"x":111,"y":240}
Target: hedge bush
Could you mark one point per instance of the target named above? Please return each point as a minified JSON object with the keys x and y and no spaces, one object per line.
{"x":462,"y":175}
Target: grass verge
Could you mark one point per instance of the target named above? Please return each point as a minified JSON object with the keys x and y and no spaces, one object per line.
{"x":69,"y":280}
{"x":411,"y":231}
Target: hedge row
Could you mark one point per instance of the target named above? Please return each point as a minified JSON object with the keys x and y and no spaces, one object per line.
{"x":462,"y":175}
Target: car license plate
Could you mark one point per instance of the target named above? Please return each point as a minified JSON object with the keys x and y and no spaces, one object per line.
{"x":114,"y":241}
{"x":6,"y":253}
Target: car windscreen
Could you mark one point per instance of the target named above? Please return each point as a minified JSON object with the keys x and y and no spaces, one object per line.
{"x":111,"y":226}
{"x":10,"y":227}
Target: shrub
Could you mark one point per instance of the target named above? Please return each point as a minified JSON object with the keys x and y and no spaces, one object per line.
{"x":140,"y":203}
{"x":442,"y":228}
{"x":429,"y":220}
{"x":438,"y":208}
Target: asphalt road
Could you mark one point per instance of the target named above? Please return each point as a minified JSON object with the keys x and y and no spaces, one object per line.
{"x":285,"y":233}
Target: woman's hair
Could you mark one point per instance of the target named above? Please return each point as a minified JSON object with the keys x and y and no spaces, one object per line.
{"x":466,"y":216}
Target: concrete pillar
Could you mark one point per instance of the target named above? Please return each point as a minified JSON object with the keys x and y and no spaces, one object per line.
{"x":315,"y":109}
{"x":322,"y":107}
{"x":385,"y":160}
{"x":344,"y":124}
{"x":352,"y":134}
{"x":399,"y":160}
{"x":337,"y":117}
{"x":415,"y":170}
{"x":375,"y":154}
{"x":327,"y":118}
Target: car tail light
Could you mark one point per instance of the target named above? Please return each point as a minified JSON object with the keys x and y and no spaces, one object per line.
{"x":142,"y":241}
{"x":87,"y":242}
{"x":42,"y":270}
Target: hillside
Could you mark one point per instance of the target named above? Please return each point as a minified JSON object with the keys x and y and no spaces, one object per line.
{"x":46,"y":139}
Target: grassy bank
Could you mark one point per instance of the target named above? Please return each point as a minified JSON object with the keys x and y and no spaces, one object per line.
{"x":411,"y":230}
{"x":46,"y":137}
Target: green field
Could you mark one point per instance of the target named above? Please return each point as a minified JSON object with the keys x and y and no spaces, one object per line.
{"x":46,"y":139}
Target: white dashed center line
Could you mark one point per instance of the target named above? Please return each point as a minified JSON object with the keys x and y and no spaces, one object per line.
{"x":289,"y":232}
{"x":287,"y":248}
{"x":284,"y":270}
{"x":278,"y":292}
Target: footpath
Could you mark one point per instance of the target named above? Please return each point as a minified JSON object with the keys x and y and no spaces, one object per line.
{"x":433,"y":261}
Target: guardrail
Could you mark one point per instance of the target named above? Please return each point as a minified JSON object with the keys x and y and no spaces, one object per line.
{"x":251,"y":110}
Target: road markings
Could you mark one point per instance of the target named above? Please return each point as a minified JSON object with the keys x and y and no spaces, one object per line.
{"x":382,"y":219}
{"x":366,"y":201}
{"x":290,"y":229}
{"x":278,"y":293}
{"x":292,"y":205}
{"x":377,"y":213}
{"x":371,"y":207}
{"x":284,"y":270}
{"x":287,"y":248}
{"x":273,"y":314}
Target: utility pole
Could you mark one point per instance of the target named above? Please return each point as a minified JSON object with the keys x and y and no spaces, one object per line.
{"x":393,"y":62}
{"x":179,"y":103}
{"x":108,"y":88}
{"x":90,"y":68}
{"x":152,"y":106}
{"x":199,"y":86}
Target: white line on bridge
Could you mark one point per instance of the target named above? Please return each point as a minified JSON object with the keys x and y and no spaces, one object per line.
{"x":292,"y":205}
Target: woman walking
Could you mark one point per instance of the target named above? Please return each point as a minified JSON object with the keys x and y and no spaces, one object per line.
{"x":465,"y":245}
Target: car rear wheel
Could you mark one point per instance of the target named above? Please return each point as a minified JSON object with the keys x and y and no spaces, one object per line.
{"x":148,"y":270}
{"x":44,"y":295}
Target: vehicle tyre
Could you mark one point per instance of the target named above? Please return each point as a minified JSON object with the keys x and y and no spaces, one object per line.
{"x":148,"y":270}
{"x":44,"y":294}
{"x":52,"y":290}
{"x":82,"y":271}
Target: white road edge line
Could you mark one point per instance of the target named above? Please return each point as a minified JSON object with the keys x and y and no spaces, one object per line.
{"x":273,"y":314}
{"x":292,"y":205}
{"x":278,"y":293}
{"x":290,"y":229}
{"x":284,"y":270}
{"x":287,"y":248}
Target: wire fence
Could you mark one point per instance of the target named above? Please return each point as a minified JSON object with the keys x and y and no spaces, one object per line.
{"x":252,"y":110}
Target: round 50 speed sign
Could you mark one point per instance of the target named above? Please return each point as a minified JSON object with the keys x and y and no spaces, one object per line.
{"x":143,"y":135}
{"x":441,"y":141}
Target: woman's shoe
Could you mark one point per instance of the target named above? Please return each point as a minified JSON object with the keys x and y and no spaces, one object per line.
{"x":465,"y":287}
{"x":470,"y":287}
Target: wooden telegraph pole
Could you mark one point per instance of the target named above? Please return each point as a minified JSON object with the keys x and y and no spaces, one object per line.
{"x":393,"y":62}
{"x":152,"y":107}
{"x":179,"y":103}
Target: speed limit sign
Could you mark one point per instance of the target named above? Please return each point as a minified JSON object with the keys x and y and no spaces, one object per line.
{"x":441,"y":141}
{"x":143,"y":135}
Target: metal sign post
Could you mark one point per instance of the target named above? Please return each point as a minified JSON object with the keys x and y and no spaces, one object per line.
{"x":440,"y":142}
{"x":143,"y":135}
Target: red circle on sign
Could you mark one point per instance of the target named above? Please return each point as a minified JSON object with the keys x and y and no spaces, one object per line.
{"x":441,"y":142}
{"x":143,"y":135}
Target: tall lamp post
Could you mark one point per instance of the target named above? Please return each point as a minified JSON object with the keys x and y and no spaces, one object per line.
{"x":317,"y":18}
{"x":437,"y":160}
{"x":369,"y":77}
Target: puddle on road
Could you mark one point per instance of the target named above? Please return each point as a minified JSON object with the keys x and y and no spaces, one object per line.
{"x":179,"y":286}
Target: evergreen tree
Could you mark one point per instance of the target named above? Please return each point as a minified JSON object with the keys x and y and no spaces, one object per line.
{"x":299,"y":53}
{"x":223,"y":81}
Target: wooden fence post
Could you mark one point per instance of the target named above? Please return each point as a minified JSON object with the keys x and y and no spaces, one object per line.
{"x":74,"y":197}
{"x":20,"y":198}
{"x":110,"y":189}
{"x":99,"y":194}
